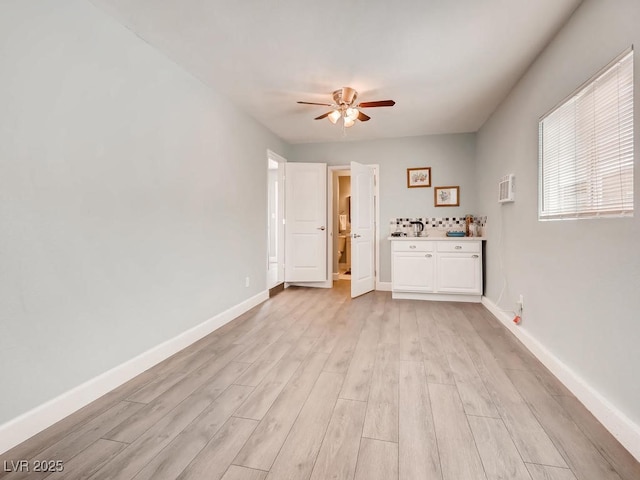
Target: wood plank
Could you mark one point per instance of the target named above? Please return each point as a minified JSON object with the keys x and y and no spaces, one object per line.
{"x":299,"y":451}
{"x":340,"y":358}
{"x":183,"y":449}
{"x":260,"y":401}
{"x":215,"y":458}
{"x":89,"y":461}
{"x":410,"y":348}
{"x":220,"y":369}
{"x":358,"y":378}
{"x":435,"y":361}
{"x":581,"y":456}
{"x":133,"y":458}
{"x":75,"y":442}
{"x":339,"y":451}
{"x":499,"y":454}
{"x":381,"y":420}
{"x":473,"y":393}
{"x":608,"y":446}
{"x":377,"y":460}
{"x":259,"y":370}
{"x":544,"y":472}
{"x":530,"y":438}
{"x":234,"y":472}
{"x":459,"y":456}
{"x":389,"y":321}
{"x":418,"y":449}
{"x":260,"y":344}
{"x":264,"y":444}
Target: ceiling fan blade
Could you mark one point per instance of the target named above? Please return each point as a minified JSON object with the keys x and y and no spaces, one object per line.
{"x":313,"y":103}
{"x":379,"y":103}
{"x":324,"y":115}
{"x":362,"y":117}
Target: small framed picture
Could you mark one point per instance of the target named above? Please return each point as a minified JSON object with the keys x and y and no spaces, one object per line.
{"x":447,"y":196}
{"x":418,"y":177}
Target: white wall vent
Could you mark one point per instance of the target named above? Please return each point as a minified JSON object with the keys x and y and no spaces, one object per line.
{"x":507,"y":189}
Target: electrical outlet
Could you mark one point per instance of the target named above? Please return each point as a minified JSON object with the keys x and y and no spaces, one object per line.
{"x":246,"y":281}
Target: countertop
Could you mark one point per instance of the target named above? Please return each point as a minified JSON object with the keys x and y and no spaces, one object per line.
{"x":436,"y":238}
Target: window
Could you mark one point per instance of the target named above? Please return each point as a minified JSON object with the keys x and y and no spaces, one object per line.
{"x":586,"y":149}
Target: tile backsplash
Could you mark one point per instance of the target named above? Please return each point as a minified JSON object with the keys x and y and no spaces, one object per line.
{"x":439,"y":223}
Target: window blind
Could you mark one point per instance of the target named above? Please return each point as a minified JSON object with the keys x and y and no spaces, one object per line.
{"x":586,"y":149}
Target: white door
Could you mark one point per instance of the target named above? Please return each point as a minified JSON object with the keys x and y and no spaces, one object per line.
{"x":306,"y":227}
{"x":363,"y":239}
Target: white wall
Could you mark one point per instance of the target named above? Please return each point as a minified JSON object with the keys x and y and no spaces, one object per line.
{"x":580,"y":279}
{"x":452,"y":162}
{"x":132,"y":199}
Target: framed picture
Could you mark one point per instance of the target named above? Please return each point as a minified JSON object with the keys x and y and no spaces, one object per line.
{"x":418,"y":177}
{"x":447,"y":196}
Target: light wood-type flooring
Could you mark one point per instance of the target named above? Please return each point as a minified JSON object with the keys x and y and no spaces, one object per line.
{"x":314,"y":385}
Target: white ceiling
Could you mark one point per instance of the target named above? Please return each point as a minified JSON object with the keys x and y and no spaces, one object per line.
{"x":447,"y":64}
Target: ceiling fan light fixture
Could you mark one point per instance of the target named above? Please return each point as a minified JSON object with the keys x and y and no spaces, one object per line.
{"x":348,"y":122}
{"x":352,"y":113}
{"x":334,"y":116}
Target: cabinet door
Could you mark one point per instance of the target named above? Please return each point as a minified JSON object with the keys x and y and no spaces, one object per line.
{"x":412,"y":272}
{"x":459,"y":273}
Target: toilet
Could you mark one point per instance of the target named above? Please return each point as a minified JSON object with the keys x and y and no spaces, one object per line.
{"x":342,"y":243}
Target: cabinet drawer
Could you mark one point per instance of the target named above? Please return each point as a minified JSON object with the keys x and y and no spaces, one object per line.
{"x":466,"y":246}
{"x":420,"y":246}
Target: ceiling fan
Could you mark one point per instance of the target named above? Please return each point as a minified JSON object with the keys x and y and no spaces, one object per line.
{"x":345,"y":107}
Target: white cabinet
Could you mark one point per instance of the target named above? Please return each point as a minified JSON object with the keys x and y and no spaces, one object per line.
{"x":437,"y":269}
{"x":459,"y":273}
{"x":413,"y":267}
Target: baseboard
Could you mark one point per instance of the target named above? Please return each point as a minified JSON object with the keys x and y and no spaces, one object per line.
{"x":383,"y":286}
{"x":624,"y":429}
{"x":30,"y":423}
{"x":437,"y":297}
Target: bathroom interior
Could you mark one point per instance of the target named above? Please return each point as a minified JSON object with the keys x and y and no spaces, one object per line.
{"x":342,"y":225}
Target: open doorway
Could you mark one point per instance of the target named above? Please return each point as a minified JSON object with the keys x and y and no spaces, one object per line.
{"x":342,"y":225}
{"x":275,"y":219}
{"x":353,"y":210}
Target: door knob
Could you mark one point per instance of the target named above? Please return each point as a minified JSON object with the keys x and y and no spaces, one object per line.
{"x":355,"y":235}
{"x":320,"y":228}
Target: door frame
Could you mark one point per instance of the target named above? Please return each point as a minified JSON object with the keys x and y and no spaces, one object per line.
{"x":330,"y":224}
{"x":281,"y":217}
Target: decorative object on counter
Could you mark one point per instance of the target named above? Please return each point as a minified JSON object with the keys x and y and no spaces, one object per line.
{"x":454,"y":233}
{"x":418,"y":177}
{"x":447,"y":196}
{"x":398,"y":234}
{"x":468,"y":220}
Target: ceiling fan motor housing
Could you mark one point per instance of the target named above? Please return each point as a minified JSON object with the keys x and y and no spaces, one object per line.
{"x":345,"y":96}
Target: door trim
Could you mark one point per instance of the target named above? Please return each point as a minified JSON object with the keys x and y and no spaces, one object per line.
{"x":281,"y":215}
{"x":376,"y":190}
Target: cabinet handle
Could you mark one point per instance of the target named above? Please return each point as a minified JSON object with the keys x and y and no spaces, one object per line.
{"x":320,"y":228}
{"x":412,"y":246}
{"x":475,"y":256}
{"x":458,"y":247}
{"x":428,"y":255}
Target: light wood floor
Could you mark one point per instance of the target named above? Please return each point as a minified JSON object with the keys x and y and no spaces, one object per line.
{"x":314,"y":385}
